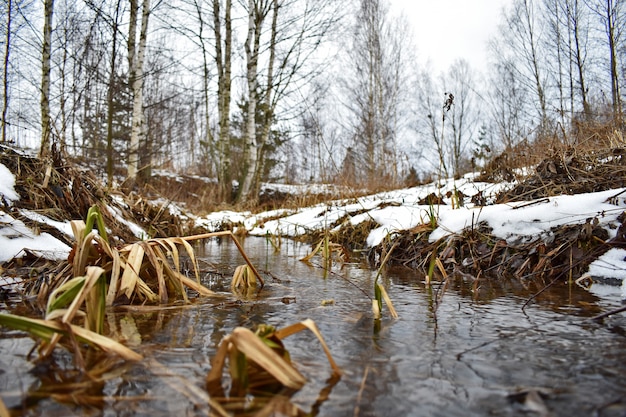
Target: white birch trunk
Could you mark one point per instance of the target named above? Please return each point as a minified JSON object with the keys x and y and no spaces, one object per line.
{"x":137,"y":130}
{"x":250,"y":146}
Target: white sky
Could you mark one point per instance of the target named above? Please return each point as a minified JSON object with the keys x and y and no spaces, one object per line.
{"x":445,"y":30}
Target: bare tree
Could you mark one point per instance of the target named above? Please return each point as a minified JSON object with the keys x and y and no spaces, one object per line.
{"x":375,"y":82}
{"x":296,"y":31}
{"x":463,"y":114}
{"x":223,"y":59}
{"x":46,"y":124}
{"x":579,"y":34}
{"x":612,"y":15}
{"x":519,"y":37}
{"x":136,"y":57}
{"x":430,"y":119}
{"x":508,"y":102}
{"x":5,"y":70}
{"x":111,"y":92}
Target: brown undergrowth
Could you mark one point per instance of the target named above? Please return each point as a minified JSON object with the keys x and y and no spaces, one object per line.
{"x":563,"y":253}
{"x":62,"y":190}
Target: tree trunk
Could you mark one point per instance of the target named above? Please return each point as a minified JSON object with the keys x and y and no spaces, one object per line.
{"x":223,"y":54}
{"x":5,"y":70}
{"x":575,"y":18}
{"x":269,"y":103}
{"x":46,"y":127}
{"x":528,"y":14}
{"x":610,"y":31}
{"x":255,"y":21}
{"x":136,"y":82}
{"x":110,"y":92}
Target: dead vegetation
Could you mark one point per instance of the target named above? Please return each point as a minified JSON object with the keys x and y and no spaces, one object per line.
{"x":564,"y":253}
{"x":61,"y":190}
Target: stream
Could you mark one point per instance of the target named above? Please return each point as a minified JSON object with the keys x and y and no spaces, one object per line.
{"x":469,"y":351}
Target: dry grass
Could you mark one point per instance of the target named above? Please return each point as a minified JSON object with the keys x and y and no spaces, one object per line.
{"x":258,"y":360}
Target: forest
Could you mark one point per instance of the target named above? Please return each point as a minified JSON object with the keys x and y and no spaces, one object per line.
{"x":301,"y":91}
{"x":466,"y":254}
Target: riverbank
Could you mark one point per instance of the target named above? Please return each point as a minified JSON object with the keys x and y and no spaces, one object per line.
{"x":562,"y":220}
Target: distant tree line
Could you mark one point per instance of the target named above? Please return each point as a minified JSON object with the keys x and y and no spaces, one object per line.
{"x":297,"y":90}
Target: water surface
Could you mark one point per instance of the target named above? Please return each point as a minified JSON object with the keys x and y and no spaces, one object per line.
{"x":473,"y":352}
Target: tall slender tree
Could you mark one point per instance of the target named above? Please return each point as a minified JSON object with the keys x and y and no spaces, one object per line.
{"x":136,"y":57}
{"x":375,"y":82}
{"x":5,"y":70}
{"x":46,"y":69}
{"x":223,"y":59}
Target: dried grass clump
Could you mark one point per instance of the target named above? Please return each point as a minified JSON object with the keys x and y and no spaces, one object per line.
{"x":144,"y":271}
{"x":259,"y":362}
{"x":563,"y":254}
{"x":572,"y":172}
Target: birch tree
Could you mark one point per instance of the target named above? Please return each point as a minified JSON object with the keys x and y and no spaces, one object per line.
{"x":46,"y":124}
{"x":520,"y":39}
{"x":258,"y":11}
{"x":375,"y":82}
{"x":5,"y":70}
{"x":223,"y":59}
{"x":136,"y":57}
{"x":294,"y":31}
{"x":111,"y":91}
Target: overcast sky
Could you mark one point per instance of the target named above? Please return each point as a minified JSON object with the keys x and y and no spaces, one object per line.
{"x":448,"y":29}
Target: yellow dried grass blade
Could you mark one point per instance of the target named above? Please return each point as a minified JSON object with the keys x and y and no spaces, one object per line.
{"x":95,"y":305}
{"x":199,"y":288}
{"x":441,"y":268}
{"x":237,"y":279}
{"x":131,"y":270}
{"x":93,"y":273}
{"x":4,"y":412}
{"x":314,"y":252}
{"x":192,"y":256}
{"x":58,"y":313}
{"x":145,"y":292}
{"x":217,"y":364}
{"x":243,"y":277}
{"x":309,"y":324}
{"x":65,"y":294}
{"x":176,"y":280}
{"x":106,"y":344}
{"x":114,"y":279}
{"x":104,"y":245}
{"x":81,"y":256}
{"x":78,"y":228}
{"x":157,"y":263}
{"x":390,"y":306}
{"x":47,"y":329}
{"x":171,"y":249}
{"x":376,"y":309}
{"x":253,"y":347}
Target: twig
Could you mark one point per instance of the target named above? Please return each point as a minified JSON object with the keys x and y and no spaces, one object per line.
{"x":608,"y":313}
{"x":543,"y":200}
{"x":361,"y":389}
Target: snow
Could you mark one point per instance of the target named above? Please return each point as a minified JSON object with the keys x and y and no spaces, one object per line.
{"x":137,"y":230}
{"x":393,"y":211}
{"x":64,"y":227}
{"x":7,"y":184}
{"x":15,"y":237}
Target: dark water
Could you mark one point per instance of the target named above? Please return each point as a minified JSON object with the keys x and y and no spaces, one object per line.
{"x":476,"y":352}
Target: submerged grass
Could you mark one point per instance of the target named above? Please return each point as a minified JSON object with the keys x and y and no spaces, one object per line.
{"x":258,"y":360}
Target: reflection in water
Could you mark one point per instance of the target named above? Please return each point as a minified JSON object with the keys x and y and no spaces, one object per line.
{"x":470,"y":350}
